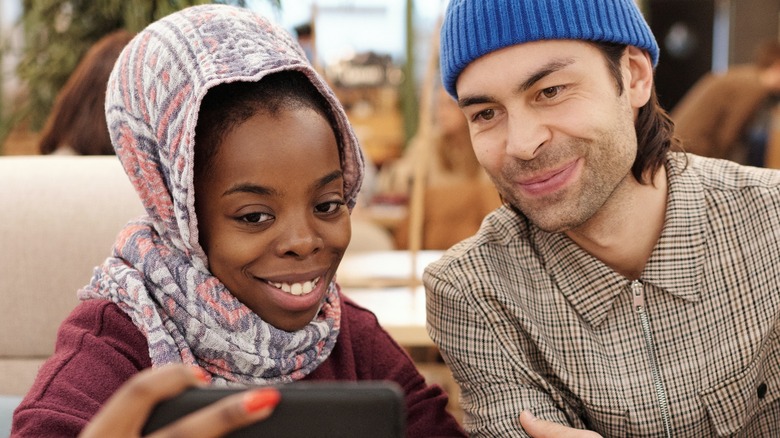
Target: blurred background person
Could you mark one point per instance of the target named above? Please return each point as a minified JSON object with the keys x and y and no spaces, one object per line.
{"x":77,"y":122}
{"x":728,"y":115}
{"x":304,"y":33}
{"x":458,"y":193}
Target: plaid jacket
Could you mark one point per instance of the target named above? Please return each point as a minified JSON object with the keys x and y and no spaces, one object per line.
{"x":528,"y":320}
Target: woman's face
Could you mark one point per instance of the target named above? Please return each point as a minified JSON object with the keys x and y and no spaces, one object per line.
{"x":272,"y":215}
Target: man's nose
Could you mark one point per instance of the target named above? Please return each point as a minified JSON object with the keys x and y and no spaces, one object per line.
{"x":526,"y":134}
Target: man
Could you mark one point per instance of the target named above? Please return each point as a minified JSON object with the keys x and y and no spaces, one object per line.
{"x":624,"y":289}
{"x":728,"y":115}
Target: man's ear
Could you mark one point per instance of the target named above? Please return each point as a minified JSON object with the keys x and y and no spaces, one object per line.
{"x":638,"y":72}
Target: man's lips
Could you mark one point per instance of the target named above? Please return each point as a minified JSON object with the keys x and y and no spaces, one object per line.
{"x":550,"y":181}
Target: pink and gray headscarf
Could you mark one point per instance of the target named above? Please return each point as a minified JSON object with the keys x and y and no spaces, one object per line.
{"x":158,"y":273}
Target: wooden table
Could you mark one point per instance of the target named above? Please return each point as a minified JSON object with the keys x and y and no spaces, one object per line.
{"x":380,"y":269}
{"x":389,"y":284}
{"x":400,"y":310}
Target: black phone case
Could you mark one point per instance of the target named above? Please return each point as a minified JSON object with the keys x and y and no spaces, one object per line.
{"x":307,"y":409}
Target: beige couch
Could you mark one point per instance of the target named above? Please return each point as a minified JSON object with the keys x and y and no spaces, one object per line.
{"x":58,"y":219}
{"x":59,"y":216}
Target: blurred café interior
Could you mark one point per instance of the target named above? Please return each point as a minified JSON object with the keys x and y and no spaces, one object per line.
{"x":424,"y":189}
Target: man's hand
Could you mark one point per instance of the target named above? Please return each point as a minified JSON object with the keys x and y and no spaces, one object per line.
{"x":537,"y":428}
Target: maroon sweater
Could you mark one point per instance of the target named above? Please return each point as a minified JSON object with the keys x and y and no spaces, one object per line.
{"x":99,"y":348}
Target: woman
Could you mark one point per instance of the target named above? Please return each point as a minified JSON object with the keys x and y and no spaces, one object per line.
{"x":77,"y":123}
{"x":248,"y":170}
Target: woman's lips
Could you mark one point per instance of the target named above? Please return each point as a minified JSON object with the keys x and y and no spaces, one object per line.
{"x":549,"y":182}
{"x":297,"y":288}
{"x":296,"y":295}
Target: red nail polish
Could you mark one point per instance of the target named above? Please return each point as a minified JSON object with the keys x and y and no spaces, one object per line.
{"x":260,"y":399}
{"x":201,"y":374}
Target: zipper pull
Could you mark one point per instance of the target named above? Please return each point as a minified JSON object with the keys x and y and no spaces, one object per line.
{"x":639,"y":296}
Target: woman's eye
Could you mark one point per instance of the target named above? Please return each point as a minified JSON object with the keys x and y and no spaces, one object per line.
{"x":551,"y":92}
{"x":329,"y":207}
{"x":255,"y":218}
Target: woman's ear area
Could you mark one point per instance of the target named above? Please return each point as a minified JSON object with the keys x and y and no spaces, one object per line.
{"x":638,"y":71}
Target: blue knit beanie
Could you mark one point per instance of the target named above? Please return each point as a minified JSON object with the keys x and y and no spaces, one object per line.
{"x":473,"y":28}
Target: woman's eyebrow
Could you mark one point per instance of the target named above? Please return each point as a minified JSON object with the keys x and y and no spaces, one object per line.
{"x":249,"y":188}
{"x":325,"y":180}
{"x":267,"y":191}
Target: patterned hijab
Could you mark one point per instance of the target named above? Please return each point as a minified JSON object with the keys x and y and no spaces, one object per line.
{"x":158,"y":273}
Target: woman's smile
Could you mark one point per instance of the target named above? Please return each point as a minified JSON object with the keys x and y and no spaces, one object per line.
{"x":295,"y":296}
{"x":296,"y":288}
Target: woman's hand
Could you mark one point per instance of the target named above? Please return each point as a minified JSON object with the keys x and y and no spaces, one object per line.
{"x":537,"y":428}
{"x":126,"y":412}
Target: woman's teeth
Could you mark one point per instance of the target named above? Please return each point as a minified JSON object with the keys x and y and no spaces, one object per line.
{"x":296,"y":288}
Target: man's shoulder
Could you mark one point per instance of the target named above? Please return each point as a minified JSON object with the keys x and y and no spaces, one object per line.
{"x":723,"y":187}
{"x":724,"y":175}
{"x":503,"y":234}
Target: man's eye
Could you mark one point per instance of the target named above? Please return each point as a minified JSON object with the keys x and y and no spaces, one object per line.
{"x":551,"y":92}
{"x":485,"y":114}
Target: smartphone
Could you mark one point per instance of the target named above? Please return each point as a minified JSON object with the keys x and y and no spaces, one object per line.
{"x":341,"y":409}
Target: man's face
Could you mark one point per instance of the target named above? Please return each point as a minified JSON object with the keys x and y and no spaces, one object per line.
{"x":549,"y":127}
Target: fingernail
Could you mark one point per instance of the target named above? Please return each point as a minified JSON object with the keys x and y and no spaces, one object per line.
{"x":261,"y":399}
{"x":202,"y":375}
{"x":530,"y":415}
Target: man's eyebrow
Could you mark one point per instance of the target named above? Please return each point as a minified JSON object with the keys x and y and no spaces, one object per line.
{"x":267,"y":191}
{"x":463,"y":102}
{"x":544,"y":71}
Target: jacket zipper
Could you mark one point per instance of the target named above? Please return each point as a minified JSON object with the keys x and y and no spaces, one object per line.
{"x":639,"y":307}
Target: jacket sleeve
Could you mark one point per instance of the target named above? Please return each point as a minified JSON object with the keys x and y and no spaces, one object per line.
{"x":97,"y":349}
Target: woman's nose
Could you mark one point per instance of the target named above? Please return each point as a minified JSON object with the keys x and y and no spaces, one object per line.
{"x":300,"y":238}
